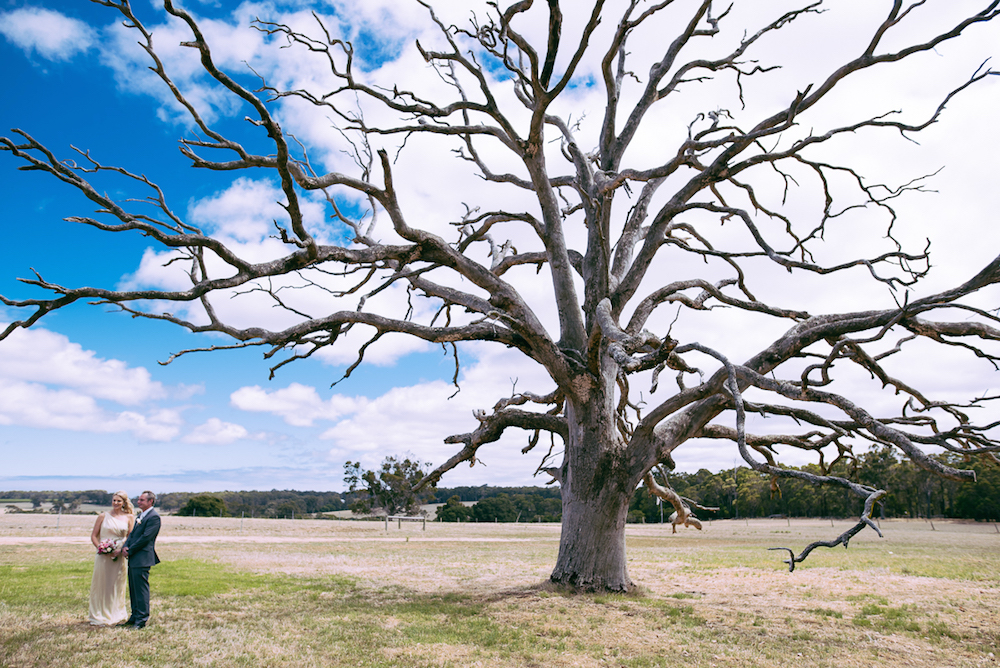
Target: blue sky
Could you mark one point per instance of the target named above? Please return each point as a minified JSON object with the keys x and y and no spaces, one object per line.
{"x":85,"y":402}
{"x":64,"y":93}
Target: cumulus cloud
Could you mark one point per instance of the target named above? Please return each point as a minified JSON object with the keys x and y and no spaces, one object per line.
{"x":43,"y":356}
{"x":216,"y":432}
{"x":49,"y":34}
{"x":298,"y":405}
{"x":50,"y":382}
{"x":34,"y":405}
{"x":417,"y":418}
{"x":245,"y":211}
{"x":243,"y":216}
{"x":130,"y":65}
{"x":414,"y":418}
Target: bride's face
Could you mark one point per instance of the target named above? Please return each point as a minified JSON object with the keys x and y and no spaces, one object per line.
{"x":116,"y":503}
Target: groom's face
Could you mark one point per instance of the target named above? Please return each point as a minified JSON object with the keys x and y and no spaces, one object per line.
{"x":143,"y":502}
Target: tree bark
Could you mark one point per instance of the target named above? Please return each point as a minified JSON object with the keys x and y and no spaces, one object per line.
{"x":597,"y":487}
{"x":592,"y":544}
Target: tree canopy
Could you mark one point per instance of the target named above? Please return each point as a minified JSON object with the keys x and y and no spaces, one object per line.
{"x":204,"y":505}
{"x":393,"y":489}
{"x":634,"y":187}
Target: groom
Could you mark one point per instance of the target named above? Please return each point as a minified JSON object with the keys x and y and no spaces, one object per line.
{"x":141,"y":553}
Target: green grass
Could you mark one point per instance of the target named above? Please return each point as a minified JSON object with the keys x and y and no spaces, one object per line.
{"x":345,"y":624}
{"x":887,"y":619}
{"x":442,"y":603}
{"x":247,"y":619}
{"x":824,"y":612}
{"x":49,"y":585}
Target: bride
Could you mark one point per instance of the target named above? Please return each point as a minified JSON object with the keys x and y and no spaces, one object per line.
{"x":107,"y":588}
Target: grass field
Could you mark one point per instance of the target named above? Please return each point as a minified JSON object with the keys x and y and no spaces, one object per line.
{"x":234,"y":592}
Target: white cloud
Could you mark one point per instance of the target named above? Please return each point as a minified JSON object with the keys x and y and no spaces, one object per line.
{"x":246,"y":211}
{"x":34,"y":405}
{"x":242,"y":216}
{"x":43,"y":356}
{"x":51,"y":35}
{"x":298,"y":405}
{"x":417,"y":418}
{"x":130,"y":65}
{"x":161,"y":269}
{"x":385,"y":352}
{"x":50,"y":382}
{"x":216,"y":432}
{"x":158,"y":425}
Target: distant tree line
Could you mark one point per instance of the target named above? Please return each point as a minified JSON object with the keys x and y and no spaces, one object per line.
{"x":740,"y":492}
{"x":66,"y":501}
{"x":737,"y":493}
{"x":275,"y":503}
{"x":503,"y":507}
{"x":913,"y":492}
{"x":443,"y":494}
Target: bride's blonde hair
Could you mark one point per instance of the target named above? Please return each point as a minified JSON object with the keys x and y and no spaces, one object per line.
{"x":126,"y":502}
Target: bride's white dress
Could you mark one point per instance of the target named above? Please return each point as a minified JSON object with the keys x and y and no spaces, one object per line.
{"x":107,"y":588}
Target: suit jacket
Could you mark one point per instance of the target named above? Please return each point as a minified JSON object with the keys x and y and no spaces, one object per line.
{"x":141,"y":542}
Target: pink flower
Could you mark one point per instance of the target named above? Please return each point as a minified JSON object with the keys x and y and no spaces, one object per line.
{"x":107,"y":547}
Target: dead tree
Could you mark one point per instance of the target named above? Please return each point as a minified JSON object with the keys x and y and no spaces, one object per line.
{"x":608,"y":213}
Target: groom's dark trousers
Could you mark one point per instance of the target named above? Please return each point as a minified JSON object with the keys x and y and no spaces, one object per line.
{"x":142,"y":556}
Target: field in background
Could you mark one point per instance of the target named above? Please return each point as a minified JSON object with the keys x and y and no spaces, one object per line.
{"x":235,"y":592}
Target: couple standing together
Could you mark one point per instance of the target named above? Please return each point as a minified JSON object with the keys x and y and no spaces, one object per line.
{"x":123,"y":538}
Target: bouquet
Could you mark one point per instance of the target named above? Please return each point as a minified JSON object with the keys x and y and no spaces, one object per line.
{"x":107,"y":547}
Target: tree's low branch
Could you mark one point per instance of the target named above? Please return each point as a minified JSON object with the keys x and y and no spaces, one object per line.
{"x":491,"y":428}
{"x":871,"y":495}
{"x":682,"y":416}
{"x":842,"y":539}
{"x":667,"y":494}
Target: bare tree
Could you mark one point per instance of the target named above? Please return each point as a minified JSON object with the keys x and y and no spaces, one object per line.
{"x":612,"y":242}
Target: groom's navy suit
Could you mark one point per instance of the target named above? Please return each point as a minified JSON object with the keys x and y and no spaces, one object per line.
{"x":142,"y":556}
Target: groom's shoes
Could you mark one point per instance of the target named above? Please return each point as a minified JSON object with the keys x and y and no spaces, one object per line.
{"x":126,"y":623}
{"x":139,"y":625}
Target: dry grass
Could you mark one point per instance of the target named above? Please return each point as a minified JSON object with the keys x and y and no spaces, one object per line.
{"x":267,"y":592}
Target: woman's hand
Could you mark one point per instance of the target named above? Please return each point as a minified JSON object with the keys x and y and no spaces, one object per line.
{"x":95,"y":535}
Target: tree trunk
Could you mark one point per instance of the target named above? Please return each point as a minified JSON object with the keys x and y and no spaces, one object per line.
{"x":592,"y":544}
{"x":596,"y":489}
